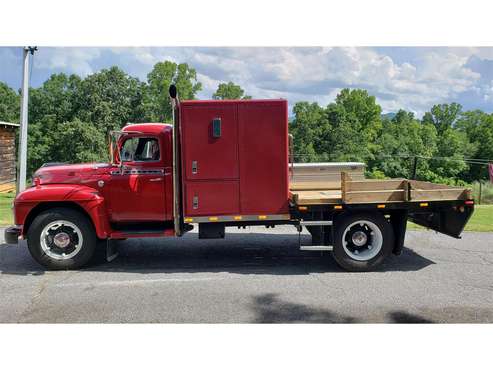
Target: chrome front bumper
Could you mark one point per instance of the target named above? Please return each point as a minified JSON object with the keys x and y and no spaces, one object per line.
{"x":12,"y":234}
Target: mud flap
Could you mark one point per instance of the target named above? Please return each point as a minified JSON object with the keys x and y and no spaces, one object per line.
{"x":399,"y":224}
{"x":449,"y":221}
{"x":111,"y":250}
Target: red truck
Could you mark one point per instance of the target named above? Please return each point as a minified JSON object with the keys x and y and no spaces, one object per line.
{"x":221,"y":164}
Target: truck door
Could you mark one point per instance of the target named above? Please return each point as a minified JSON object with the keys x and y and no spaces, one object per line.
{"x":136,"y":193}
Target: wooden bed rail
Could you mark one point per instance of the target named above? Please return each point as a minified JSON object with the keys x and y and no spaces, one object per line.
{"x":397,"y":190}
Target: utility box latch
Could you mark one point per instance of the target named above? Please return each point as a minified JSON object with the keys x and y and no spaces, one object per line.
{"x":216,"y":127}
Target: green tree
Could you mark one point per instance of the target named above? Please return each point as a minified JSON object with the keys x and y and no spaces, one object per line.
{"x":229,"y":91}
{"x":108,"y":99}
{"x":452,"y":145}
{"x":56,"y":98}
{"x":80,"y":142}
{"x":478,"y":126}
{"x":70,"y":142}
{"x":156,"y":99}
{"x":41,"y":139}
{"x":443,"y":116}
{"x":9,"y":104}
{"x":356,"y":121}
{"x":309,"y":123}
{"x":402,"y":138}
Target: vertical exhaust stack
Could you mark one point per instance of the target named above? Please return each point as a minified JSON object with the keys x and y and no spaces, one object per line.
{"x":175,"y":108}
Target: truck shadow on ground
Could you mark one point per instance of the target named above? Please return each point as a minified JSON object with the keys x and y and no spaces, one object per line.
{"x":269,"y":308}
{"x":240,"y":253}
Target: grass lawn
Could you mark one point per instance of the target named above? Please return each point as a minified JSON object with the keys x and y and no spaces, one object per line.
{"x":6,"y":217}
{"x":481,"y":220}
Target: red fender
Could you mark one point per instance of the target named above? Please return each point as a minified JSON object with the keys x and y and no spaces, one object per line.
{"x":87,"y":198}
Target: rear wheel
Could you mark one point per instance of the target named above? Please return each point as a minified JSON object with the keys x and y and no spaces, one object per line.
{"x":61,"y":239}
{"x":362,"y":241}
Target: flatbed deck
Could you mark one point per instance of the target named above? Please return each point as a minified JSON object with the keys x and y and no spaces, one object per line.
{"x":354,"y":191}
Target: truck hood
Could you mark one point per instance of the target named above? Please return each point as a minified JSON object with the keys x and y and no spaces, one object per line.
{"x":70,"y":173}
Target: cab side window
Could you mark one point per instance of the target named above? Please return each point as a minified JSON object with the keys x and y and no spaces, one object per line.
{"x":140,"y":149}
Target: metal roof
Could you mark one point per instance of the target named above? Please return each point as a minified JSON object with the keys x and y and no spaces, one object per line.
{"x":9,"y":124}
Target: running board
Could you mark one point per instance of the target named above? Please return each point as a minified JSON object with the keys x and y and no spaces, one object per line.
{"x":316,"y":223}
{"x":316,"y":247}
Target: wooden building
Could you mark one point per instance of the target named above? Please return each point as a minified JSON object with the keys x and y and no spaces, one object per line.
{"x":7,"y":156}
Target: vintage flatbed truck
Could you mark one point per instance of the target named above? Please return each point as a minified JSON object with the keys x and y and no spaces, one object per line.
{"x":222,"y":164}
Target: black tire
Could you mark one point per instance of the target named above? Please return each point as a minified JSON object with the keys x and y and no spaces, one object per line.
{"x":66,"y":214}
{"x":345,"y":260}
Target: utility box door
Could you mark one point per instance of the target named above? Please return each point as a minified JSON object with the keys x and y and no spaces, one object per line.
{"x":210,"y":142}
{"x":208,"y":198}
{"x":263,"y":129}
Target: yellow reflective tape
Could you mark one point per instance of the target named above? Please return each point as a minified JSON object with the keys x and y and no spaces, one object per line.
{"x":381,"y":206}
{"x":188,"y":219}
{"x":237,"y":217}
{"x":213,"y":218}
{"x":337,"y":207}
{"x":423,"y":204}
{"x":262,"y":217}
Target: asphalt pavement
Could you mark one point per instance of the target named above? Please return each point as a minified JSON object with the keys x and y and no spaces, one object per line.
{"x":254,"y":276}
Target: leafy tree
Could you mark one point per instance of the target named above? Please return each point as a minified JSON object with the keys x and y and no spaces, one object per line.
{"x":402,"y":137}
{"x":108,"y":99}
{"x":41,"y":138}
{"x":452,"y":145}
{"x":478,"y":126}
{"x":443,"y":116}
{"x":9,"y":104}
{"x":309,"y":124}
{"x":356,"y":120}
{"x":156,"y":99}
{"x":80,"y":142}
{"x":71,"y":142}
{"x":56,"y":98}
{"x":229,"y":91}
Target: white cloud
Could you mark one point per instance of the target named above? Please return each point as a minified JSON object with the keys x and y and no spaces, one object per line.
{"x":413,"y":80}
{"x":72,"y":60}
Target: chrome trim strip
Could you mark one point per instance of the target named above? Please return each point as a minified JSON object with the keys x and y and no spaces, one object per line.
{"x":134,"y":171}
{"x":315,"y":223}
{"x":235,"y":218}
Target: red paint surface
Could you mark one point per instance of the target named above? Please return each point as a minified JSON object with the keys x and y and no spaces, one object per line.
{"x":214,"y":197}
{"x":122,"y":198}
{"x":243,"y":172}
{"x":263,"y":147}
{"x":216,"y":158}
{"x":257,"y":157}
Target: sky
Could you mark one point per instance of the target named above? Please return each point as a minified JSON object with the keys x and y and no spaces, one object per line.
{"x":410,"y":78}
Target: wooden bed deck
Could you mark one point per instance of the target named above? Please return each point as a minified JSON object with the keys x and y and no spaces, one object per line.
{"x":372,"y":191}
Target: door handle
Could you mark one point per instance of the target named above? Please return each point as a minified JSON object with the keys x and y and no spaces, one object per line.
{"x":156,"y":179}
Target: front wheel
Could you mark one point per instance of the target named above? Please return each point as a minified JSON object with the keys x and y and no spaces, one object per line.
{"x":362,"y":241}
{"x":61,"y":239}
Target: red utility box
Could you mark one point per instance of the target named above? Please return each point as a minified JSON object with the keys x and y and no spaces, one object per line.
{"x":235,"y":158}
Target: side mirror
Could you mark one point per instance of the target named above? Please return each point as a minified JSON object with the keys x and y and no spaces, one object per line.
{"x":173,"y":92}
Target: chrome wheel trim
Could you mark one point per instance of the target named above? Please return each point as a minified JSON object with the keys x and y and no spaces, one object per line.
{"x":373,"y":245}
{"x":55,"y":246}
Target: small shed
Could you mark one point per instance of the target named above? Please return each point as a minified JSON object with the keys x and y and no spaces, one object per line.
{"x":7,"y":155}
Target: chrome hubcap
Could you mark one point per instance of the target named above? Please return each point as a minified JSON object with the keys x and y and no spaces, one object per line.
{"x":61,"y":240}
{"x":362,"y":240}
{"x":359,"y":238}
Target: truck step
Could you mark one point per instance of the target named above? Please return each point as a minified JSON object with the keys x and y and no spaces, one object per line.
{"x":316,"y":247}
{"x":315,"y":223}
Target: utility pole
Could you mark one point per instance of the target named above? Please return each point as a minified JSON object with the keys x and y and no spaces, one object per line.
{"x":415,"y":167}
{"x":22,"y":157}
